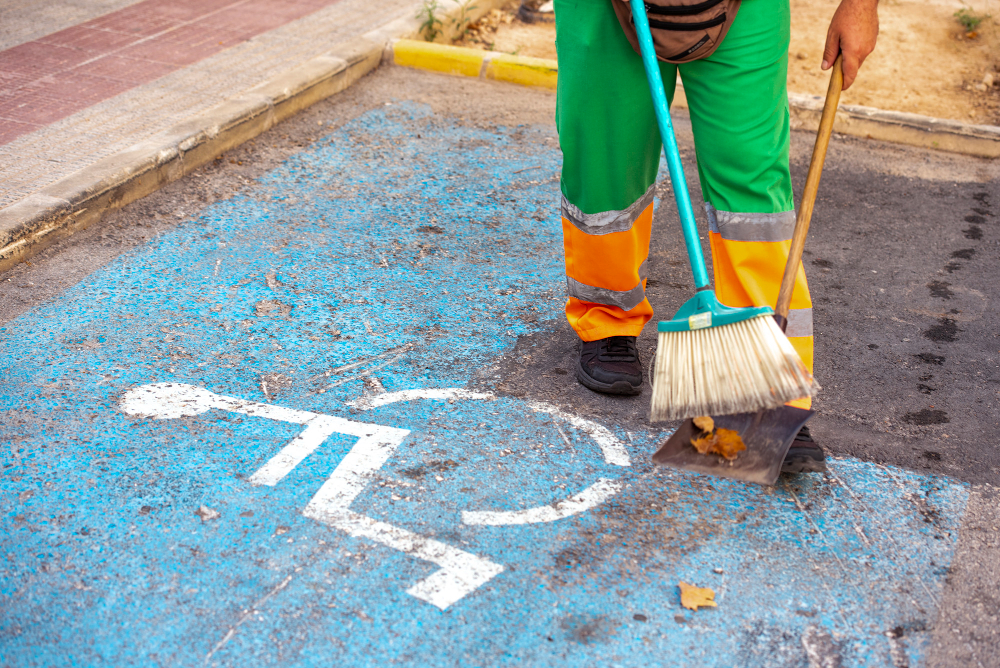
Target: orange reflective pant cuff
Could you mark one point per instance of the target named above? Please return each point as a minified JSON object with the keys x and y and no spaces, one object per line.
{"x":593,"y":322}
{"x":606,"y":258}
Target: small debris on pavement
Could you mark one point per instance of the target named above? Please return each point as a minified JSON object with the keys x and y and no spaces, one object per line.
{"x":273,"y":383}
{"x":271,"y":308}
{"x":206,"y":513}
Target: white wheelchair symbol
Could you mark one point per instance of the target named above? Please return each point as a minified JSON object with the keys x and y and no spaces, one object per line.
{"x":460,"y":572}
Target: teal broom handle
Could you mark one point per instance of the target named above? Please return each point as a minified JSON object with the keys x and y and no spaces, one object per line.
{"x":674,"y":166}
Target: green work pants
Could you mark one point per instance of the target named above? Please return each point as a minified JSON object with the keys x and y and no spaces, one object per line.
{"x":737,"y":99}
{"x":611,"y":147}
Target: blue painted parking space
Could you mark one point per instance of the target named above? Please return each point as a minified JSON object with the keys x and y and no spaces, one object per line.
{"x":270,"y":437}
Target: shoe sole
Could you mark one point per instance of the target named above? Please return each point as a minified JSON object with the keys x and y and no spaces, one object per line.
{"x":619,"y":388}
{"x":803,"y":465}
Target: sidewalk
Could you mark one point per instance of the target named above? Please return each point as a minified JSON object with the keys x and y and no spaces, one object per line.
{"x":119,"y":88}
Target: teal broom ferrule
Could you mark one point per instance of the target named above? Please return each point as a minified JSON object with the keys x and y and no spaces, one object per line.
{"x":704,"y":310}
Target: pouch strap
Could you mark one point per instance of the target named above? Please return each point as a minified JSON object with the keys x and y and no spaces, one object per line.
{"x":681,"y":10}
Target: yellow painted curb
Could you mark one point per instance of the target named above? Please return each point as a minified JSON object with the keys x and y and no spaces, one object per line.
{"x":523,"y":70}
{"x":438,"y":57}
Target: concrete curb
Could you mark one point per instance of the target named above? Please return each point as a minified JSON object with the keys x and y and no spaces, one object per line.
{"x":893,"y":126}
{"x":77,"y":201}
{"x":982,"y":141}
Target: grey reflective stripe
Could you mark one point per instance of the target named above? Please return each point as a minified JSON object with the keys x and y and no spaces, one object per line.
{"x":644,"y":269}
{"x":751,"y":226}
{"x":606,"y":222}
{"x":625,"y":300}
{"x":800,"y":322}
{"x":713,"y":224}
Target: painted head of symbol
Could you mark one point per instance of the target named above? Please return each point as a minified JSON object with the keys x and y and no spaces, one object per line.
{"x":165,"y":401}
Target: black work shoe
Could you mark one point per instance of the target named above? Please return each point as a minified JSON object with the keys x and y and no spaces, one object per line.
{"x":610,"y":365}
{"x":804,"y":455}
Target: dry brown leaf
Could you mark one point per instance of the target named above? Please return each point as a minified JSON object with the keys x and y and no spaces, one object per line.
{"x":729,"y":444}
{"x":724,"y":442}
{"x":705,"y":423}
{"x":692,"y":597}
{"x":705,"y":444}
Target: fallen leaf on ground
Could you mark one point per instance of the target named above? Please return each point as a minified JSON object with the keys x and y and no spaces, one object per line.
{"x":692,"y":597}
{"x":705,"y":423}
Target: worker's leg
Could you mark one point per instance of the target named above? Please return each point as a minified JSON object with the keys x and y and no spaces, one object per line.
{"x":739,"y":114}
{"x":611,"y":153}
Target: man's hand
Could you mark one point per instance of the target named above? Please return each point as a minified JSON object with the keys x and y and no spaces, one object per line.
{"x":853,"y":32}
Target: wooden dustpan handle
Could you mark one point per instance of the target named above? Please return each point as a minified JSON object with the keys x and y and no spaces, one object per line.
{"x":809,"y":192}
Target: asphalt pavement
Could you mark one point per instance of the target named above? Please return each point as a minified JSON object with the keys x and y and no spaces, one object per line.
{"x":315,"y":404}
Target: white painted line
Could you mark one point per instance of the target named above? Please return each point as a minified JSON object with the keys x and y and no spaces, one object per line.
{"x":368,"y":403}
{"x":460,"y":572}
{"x":592,"y":496}
{"x":269,"y":411}
{"x":292,"y":454}
{"x":352,"y":474}
{"x":613,"y":449}
{"x":166,"y":401}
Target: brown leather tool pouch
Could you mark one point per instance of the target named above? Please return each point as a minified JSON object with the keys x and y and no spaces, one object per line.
{"x":683,"y":30}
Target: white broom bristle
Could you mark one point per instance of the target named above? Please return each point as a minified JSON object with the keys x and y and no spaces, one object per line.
{"x":738,"y":368}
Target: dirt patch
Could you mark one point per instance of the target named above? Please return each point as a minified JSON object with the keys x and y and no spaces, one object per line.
{"x":502,"y":30}
{"x":924,"y":64}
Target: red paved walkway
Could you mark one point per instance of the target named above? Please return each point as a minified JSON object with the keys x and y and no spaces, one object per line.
{"x":47,"y":79}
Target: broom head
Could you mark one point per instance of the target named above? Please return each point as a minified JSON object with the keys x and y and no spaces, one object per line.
{"x":716,"y":360}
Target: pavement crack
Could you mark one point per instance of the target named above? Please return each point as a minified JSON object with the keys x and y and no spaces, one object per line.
{"x":247,"y":615}
{"x":826,"y":586}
